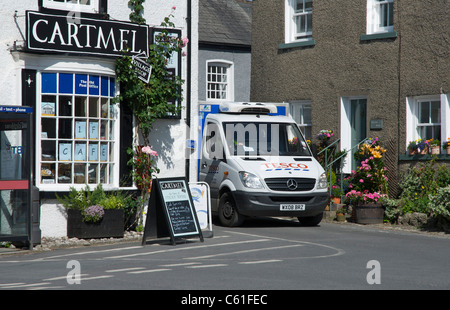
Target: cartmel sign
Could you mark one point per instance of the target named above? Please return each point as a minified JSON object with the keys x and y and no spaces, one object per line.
{"x":58,"y":33}
{"x":171,"y":211}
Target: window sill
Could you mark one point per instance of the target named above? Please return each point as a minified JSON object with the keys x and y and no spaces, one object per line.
{"x":297,"y":44}
{"x":379,"y":36}
{"x":426,"y":157}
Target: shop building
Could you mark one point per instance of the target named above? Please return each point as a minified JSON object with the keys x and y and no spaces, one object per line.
{"x":59,"y":59}
{"x":359,"y":68}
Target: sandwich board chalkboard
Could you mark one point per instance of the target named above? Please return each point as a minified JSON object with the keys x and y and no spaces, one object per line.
{"x":171,"y":211}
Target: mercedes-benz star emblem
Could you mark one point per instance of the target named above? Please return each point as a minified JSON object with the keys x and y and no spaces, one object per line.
{"x":291,"y":184}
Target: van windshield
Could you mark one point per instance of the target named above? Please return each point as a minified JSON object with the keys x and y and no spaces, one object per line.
{"x":264,"y":139}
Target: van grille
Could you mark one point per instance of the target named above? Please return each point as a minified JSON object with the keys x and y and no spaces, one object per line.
{"x":290,"y":184}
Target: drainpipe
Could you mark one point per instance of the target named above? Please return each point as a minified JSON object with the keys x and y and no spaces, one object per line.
{"x":188,"y":84}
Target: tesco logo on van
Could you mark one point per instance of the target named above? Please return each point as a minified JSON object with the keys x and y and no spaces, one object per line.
{"x":279,"y":166}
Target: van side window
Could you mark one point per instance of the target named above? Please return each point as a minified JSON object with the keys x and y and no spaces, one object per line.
{"x":213,"y":142}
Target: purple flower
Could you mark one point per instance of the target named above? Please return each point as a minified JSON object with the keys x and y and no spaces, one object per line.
{"x":93,"y":213}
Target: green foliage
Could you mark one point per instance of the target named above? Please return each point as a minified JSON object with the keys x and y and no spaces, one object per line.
{"x":136,"y":13}
{"x":439,"y":203}
{"x":424,"y":189}
{"x":114,"y":200}
{"x":149,"y":102}
{"x":85,"y":198}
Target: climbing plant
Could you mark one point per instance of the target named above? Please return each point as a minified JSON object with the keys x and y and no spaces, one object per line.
{"x":151,"y":101}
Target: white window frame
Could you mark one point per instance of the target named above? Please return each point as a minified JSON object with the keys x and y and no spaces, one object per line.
{"x":111,"y":162}
{"x":297,"y":112}
{"x":412,"y":116}
{"x":229,"y":92}
{"x":70,"y":6}
{"x":291,"y":34}
{"x":374,"y":13}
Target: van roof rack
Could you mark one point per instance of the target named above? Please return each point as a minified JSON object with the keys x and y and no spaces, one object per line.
{"x":247,"y":107}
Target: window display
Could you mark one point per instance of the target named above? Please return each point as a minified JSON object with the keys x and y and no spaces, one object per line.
{"x":76,"y":113}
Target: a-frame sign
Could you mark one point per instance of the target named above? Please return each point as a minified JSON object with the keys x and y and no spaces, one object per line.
{"x":171,"y":212}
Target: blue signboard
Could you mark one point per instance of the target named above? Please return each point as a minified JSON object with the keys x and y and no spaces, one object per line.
{"x":16,"y":109}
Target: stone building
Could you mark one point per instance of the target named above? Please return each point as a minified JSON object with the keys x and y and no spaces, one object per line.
{"x":360,"y":68}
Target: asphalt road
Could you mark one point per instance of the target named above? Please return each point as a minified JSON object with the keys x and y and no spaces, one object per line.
{"x":265,"y":254}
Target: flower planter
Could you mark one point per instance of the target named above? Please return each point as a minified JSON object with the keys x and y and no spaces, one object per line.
{"x":369,"y":213}
{"x":340,"y":217}
{"x":111,"y":225}
{"x":434,"y":150}
{"x":424,"y":151}
{"x":336,"y":200}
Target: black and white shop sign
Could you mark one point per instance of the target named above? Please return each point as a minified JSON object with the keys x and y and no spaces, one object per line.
{"x":59,"y":33}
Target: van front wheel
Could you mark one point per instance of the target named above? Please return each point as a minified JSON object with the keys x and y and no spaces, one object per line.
{"x":228,"y":214}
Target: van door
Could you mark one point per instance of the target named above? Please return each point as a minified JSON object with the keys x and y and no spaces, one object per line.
{"x":213,"y":159}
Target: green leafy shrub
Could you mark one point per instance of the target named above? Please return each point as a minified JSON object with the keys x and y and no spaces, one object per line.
{"x":424,"y":189}
{"x":439,"y":203}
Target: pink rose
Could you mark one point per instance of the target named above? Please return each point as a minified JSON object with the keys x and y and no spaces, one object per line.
{"x":185,"y":41}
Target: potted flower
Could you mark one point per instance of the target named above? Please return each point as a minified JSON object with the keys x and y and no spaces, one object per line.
{"x":435,"y":146}
{"x":446,"y":146}
{"x":340,"y":214}
{"x":412,"y":147}
{"x":368,"y":184}
{"x":422,"y":146}
{"x":336,"y":193}
{"x":324,"y":136}
{"x":93,"y":214}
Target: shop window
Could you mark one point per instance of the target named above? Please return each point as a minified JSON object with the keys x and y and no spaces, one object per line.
{"x":78,"y":124}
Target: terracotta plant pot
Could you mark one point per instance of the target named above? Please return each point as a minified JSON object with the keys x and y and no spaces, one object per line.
{"x":435,"y":150}
{"x":340,"y":217}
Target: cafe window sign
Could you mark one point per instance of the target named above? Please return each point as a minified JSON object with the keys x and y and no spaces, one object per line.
{"x":78,"y":129}
{"x":60,"y":33}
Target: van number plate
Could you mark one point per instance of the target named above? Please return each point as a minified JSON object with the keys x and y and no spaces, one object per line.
{"x":292,"y":207}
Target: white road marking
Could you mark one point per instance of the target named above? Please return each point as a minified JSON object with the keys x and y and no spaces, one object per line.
{"x":124,"y":269}
{"x":261,"y":261}
{"x":207,"y":266}
{"x":148,"y":270}
{"x":26,"y":285}
{"x":185,"y":249}
{"x":180,"y":264}
{"x":245,"y":251}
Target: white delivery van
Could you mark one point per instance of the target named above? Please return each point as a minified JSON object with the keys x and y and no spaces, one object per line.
{"x":259,"y":164}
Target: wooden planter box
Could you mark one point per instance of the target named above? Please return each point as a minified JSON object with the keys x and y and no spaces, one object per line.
{"x":112,"y":225}
{"x":370,"y":213}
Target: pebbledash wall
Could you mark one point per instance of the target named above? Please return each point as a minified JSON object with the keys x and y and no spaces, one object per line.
{"x":345,"y":72}
{"x":60,"y":60}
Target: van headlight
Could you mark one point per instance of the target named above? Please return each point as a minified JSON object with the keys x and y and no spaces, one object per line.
{"x":322,"y":181}
{"x":250,"y":180}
